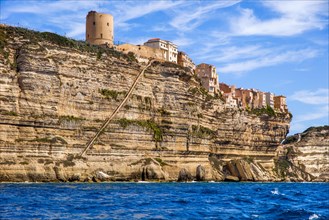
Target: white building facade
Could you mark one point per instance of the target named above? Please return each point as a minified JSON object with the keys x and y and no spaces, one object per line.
{"x":169,"y":49}
{"x":269,"y":99}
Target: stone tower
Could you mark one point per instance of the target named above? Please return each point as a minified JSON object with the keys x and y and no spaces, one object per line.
{"x":99,"y":28}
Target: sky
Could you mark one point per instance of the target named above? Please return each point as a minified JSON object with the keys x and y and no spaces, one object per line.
{"x":277,"y":46}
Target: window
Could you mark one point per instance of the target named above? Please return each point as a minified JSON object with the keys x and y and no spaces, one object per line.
{"x":94,"y":23}
{"x":101,"y":35}
{"x":108,"y":24}
{"x":88,"y":36}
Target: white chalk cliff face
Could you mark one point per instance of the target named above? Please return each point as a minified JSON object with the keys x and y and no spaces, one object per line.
{"x":308,"y":152}
{"x":56,"y":93}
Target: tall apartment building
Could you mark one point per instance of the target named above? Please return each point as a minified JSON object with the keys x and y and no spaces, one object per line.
{"x":209,"y":78}
{"x":169,"y":49}
{"x":262,"y":100}
{"x":269,"y":99}
{"x":99,"y":28}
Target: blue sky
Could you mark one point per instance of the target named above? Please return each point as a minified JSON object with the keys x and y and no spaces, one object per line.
{"x":277,"y":46}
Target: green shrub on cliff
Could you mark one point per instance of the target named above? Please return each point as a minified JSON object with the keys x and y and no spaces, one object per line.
{"x":262,"y":111}
{"x":202,"y":132}
{"x":11,"y":113}
{"x":111,"y":94}
{"x":36,"y":37}
{"x":150,"y":125}
{"x":70,"y":118}
{"x":282,"y":167}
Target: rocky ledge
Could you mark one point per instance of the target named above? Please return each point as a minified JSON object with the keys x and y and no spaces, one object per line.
{"x":305,"y":156}
{"x":55,"y":94}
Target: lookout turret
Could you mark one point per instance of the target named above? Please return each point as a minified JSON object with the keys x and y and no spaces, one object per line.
{"x":99,"y":28}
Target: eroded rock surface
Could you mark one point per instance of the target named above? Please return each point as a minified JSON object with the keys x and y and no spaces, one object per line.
{"x":56,"y":93}
{"x":305,"y":156}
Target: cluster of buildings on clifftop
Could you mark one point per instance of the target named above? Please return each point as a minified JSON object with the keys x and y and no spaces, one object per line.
{"x":251,"y":98}
{"x":99,"y":31}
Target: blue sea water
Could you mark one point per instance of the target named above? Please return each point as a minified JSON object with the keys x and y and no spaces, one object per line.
{"x":164,"y":201}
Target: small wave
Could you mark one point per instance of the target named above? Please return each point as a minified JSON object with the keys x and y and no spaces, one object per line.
{"x":276,"y":192}
{"x":143,"y":182}
{"x":313,"y":216}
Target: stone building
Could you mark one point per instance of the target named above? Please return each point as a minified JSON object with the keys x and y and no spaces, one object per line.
{"x":269,"y":99}
{"x":238,"y":96}
{"x":280,"y":103}
{"x":169,"y":49}
{"x":244,"y":97}
{"x":248,"y":97}
{"x":185,"y":61}
{"x":142,"y":53}
{"x":262,"y":100}
{"x":224,"y":88}
{"x":99,"y":28}
{"x":228,"y":93}
{"x":209,"y":78}
{"x":257,"y":99}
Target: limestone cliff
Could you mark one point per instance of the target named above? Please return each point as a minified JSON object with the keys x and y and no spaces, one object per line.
{"x":305,"y":156}
{"x":56,"y":93}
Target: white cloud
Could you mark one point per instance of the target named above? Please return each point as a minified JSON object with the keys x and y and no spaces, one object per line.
{"x":131,"y":10}
{"x":188,"y":19}
{"x":231,"y":53}
{"x":67,"y":16}
{"x":321,"y":112}
{"x":318,"y":97}
{"x":295,"y":17}
{"x":47,"y":8}
{"x":266,"y":60}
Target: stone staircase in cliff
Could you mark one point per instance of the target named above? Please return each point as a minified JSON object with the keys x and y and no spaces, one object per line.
{"x":106,"y":123}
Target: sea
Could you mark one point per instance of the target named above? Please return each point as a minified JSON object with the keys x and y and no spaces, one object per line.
{"x":145,"y":200}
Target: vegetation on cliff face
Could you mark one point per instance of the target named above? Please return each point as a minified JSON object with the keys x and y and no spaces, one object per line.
{"x":202,"y":132}
{"x":36,"y":37}
{"x":150,"y":125}
{"x":111,"y":94}
{"x":260,"y":111}
{"x":282,"y":167}
{"x":51,"y":140}
{"x":11,"y":113}
{"x":70,"y":118}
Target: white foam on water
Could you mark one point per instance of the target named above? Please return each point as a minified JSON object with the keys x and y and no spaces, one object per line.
{"x":313,"y":216}
{"x":275,"y":192}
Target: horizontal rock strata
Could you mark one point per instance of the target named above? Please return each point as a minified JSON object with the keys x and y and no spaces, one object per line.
{"x":56,"y":93}
{"x":306,"y":155}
